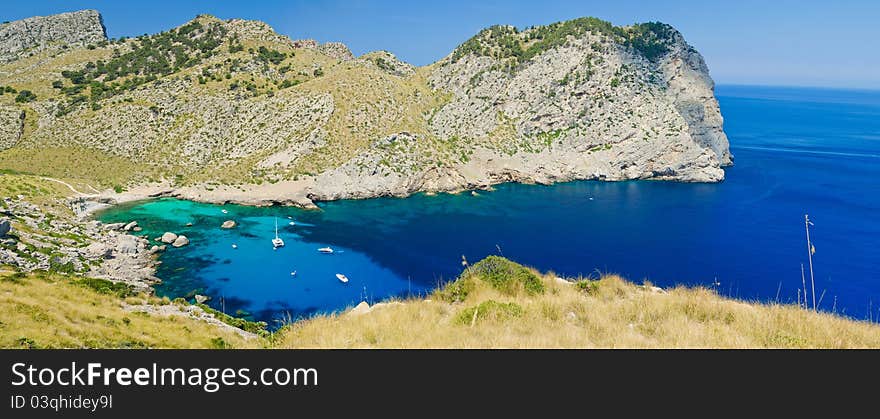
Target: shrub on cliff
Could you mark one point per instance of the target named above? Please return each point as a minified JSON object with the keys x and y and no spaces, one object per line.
{"x":510,"y":278}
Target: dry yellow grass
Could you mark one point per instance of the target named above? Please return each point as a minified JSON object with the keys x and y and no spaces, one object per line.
{"x":50,"y":311}
{"x":53,"y":312}
{"x":613,"y":314}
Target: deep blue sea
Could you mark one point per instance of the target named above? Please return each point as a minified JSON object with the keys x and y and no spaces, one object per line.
{"x":796,"y":150}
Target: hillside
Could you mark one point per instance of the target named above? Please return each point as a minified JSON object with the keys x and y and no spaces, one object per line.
{"x":231,"y":105}
{"x":495,"y":304}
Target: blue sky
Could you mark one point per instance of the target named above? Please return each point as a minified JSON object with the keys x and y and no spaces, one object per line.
{"x":774,"y":42}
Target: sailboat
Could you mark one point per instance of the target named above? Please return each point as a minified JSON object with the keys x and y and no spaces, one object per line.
{"x":277,"y":242}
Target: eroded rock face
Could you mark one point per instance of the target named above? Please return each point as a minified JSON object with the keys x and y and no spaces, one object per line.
{"x":11,"y":125}
{"x":39,"y":32}
{"x":336,"y":50}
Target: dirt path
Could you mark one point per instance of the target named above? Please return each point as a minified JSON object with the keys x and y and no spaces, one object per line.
{"x":78,"y":193}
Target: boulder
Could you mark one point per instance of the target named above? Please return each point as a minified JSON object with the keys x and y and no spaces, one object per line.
{"x":180,"y":241}
{"x":228,"y":224}
{"x":137,"y":229}
{"x":561,"y":281}
{"x":5,"y":227}
{"x":98,"y":249}
{"x":362,"y":308}
{"x":113,"y":226}
{"x":201,"y":299}
{"x":168,"y":237}
{"x":130,"y":226}
{"x":127,"y":244}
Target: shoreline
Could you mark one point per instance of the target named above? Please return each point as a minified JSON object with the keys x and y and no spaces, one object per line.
{"x":303,"y":194}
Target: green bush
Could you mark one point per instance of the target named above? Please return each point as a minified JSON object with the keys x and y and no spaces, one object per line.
{"x":104,"y":286}
{"x":25,"y":96}
{"x":457,"y":291}
{"x":506,"y":276}
{"x":587,"y":286}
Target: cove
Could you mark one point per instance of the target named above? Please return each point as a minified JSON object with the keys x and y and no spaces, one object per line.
{"x":796,"y":151}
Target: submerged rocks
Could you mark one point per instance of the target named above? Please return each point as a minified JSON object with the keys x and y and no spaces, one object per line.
{"x":180,"y":241}
{"x":228,"y":224}
{"x":168,"y":237}
{"x":5,"y":227}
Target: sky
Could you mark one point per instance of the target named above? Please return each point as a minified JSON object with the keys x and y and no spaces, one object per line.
{"x":767,"y":42}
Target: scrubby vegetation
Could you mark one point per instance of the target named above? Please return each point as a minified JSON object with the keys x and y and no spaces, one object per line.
{"x":507,"y":42}
{"x":150,"y":58}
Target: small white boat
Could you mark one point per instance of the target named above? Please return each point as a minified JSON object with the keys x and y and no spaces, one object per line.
{"x":224,"y":211}
{"x":235,"y":246}
{"x":342,"y":278}
{"x":325,"y":250}
{"x":293,"y":273}
{"x":291,"y":223}
{"x":277,"y":242}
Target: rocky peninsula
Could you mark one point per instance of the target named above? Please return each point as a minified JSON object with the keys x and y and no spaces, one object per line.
{"x":238,"y":113}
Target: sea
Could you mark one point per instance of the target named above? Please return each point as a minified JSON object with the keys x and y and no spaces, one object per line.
{"x":797,"y":151}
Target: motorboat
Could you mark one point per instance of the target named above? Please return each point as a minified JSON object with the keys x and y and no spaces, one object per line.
{"x":342,"y":278}
{"x":325,"y":250}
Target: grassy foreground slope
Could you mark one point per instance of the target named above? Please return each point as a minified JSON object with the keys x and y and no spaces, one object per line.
{"x":499,"y":304}
{"x":56,"y":311}
{"x":494,"y":304}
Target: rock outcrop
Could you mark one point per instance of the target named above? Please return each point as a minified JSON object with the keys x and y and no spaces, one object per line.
{"x":168,"y":237}
{"x":11,"y":126}
{"x":180,"y":241}
{"x":36,"y":33}
{"x":5,"y":227}
{"x":57,"y":243}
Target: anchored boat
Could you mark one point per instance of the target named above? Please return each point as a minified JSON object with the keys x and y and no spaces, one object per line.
{"x":277,"y":242}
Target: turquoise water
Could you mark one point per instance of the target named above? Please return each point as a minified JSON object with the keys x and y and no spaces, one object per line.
{"x":797,"y":151}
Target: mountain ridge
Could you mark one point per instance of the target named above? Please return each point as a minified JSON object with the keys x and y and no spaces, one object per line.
{"x":230,"y":103}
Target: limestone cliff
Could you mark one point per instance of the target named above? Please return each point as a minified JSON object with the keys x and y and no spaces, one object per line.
{"x":35,"y":33}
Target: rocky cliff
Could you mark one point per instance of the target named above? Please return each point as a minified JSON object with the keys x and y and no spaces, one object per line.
{"x":218,"y":103}
{"x":35,"y":33}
